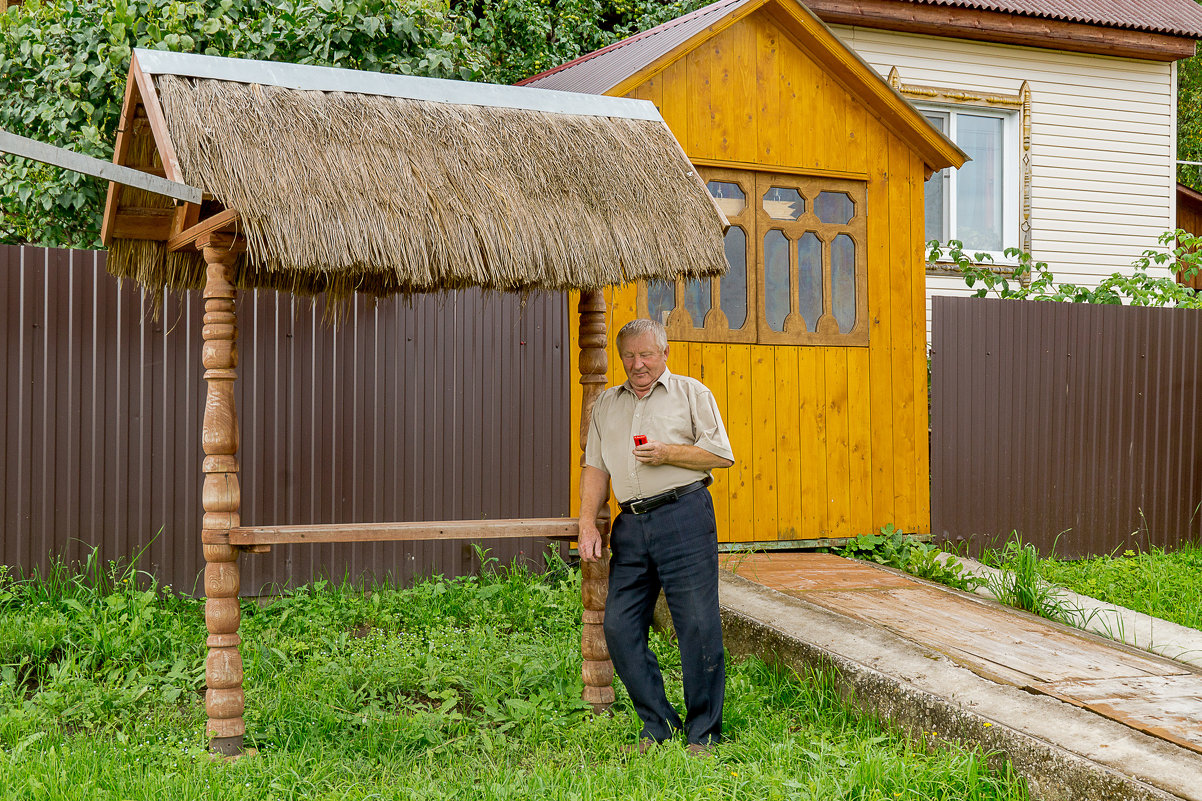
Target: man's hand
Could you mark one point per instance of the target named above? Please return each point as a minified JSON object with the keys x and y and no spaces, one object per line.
{"x":652,"y":452}
{"x":594,"y":489}
{"x":689,"y":456}
{"x":589,"y":542}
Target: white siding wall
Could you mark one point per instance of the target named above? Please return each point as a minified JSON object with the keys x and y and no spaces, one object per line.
{"x":1103,"y":142}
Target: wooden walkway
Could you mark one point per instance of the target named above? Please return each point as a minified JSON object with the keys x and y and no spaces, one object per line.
{"x":1140,"y":690}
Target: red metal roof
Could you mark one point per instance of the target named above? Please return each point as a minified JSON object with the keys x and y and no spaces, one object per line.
{"x":1176,"y":17}
{"x":600,"y":71}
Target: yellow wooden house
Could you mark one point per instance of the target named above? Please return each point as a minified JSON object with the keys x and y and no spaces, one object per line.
{"x":815,"y":342}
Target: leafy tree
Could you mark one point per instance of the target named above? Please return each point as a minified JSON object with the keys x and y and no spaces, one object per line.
{"x":63,"y":65}
{"x":525,"y":37}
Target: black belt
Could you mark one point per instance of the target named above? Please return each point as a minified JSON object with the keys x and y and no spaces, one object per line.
{"x":641,"y":506}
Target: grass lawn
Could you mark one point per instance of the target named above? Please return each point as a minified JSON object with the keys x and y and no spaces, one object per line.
{"x":1167,"y":585}
{"x":458,"y":689}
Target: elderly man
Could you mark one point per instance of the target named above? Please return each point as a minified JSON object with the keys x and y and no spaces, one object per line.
{"x":656,"y":438}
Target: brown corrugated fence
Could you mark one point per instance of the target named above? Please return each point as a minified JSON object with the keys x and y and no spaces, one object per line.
{"x":1075,"y":425}
{"x":452,"y":407}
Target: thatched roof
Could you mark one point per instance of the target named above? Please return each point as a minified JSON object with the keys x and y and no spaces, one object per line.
{"x":386,"y":190}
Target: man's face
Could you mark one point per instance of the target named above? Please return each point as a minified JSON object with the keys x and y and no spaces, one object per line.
{"x":643,"y":360}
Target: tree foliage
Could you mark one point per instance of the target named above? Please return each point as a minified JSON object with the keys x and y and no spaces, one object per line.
{"x":1189,"y":120}
{"x":63,"y":65}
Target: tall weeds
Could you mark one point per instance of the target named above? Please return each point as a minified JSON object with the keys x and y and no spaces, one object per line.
{"x":1019,"y":583}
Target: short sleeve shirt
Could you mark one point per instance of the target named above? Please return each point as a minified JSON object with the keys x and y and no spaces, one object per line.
{"x":677,"y":411}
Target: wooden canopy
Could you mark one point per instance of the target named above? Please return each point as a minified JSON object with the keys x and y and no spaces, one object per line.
{"x":343,"y":181}
{"x":337,"y":181}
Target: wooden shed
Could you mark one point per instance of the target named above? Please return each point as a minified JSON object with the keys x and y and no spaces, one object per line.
{"x":815,"y":341}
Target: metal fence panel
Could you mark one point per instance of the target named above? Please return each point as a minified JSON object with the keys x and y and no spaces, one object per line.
{"x":1073,"y":425}
{"x":449,"y":407}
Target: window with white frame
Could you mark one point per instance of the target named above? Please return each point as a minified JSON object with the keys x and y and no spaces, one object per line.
{"x":979,"y":203}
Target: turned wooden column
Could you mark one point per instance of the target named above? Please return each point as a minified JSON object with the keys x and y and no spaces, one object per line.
{"x":597,"y":670}
{"x":221,"y":498}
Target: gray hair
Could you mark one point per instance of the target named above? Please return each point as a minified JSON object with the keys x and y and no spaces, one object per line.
{"x":636,"y":328}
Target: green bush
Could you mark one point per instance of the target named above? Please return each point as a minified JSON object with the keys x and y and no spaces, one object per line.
{"x":1028,"y":279}
{"x":63,"y":65}
{"x":904,"y":552}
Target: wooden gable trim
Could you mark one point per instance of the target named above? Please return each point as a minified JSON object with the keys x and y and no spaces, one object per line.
{"x":1189,"y":195}
{"x":158,"y":122}
{"x":853,"y":74}
{"x":658,"y":65}
{"x":124,"y":133}
{"x":818,"y":42}
{"x":993,"y":26}
{"x":134,"y":223}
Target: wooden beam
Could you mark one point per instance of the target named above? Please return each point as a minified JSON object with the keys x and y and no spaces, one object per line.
{"x":221,"y":221}
{"x":142,"y":223}
{"x":129,"y":106}
{"x":562,"y":528}
{"x":158,"y":121}
{"x":993,"y":26}
{"x":78,"y":162}
{"x":596,"y":669}
{"x":186,"y":215}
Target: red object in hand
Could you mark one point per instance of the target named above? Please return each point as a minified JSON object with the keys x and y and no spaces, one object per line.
{"x":640,"y":439}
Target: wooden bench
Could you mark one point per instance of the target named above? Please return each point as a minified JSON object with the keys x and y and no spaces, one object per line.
{"x":259,"y":539}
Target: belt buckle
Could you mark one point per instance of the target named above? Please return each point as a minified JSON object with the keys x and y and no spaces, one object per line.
{"x":638,"y":506}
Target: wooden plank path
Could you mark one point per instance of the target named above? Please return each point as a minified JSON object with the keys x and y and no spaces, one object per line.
{"x":1146,"y":692}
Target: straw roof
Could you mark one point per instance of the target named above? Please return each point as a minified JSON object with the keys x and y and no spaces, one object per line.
{"x":345,"y":192}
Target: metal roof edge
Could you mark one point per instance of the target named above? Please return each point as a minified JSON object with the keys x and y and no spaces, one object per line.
{"x":1071,"y":12}
{"x":437,"y":90}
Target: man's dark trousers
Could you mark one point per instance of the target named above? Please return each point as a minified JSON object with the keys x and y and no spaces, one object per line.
{"x":674,"y":547}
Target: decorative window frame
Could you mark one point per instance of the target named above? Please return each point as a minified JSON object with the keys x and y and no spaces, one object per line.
{"x":754,"y":180}
{"x":715,"y":327}
{"x":1020,"y":103}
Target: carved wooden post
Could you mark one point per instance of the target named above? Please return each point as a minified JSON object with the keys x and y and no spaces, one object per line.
{"x":597,"y":670}
{"x":222,"y":498}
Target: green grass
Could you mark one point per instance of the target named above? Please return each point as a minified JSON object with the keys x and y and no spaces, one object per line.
{"x":1164,"y":584}
{"x":465,"y":689}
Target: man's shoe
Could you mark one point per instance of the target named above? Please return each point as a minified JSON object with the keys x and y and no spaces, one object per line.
{"x":644,"y":745}
{"x":700,"y":750}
